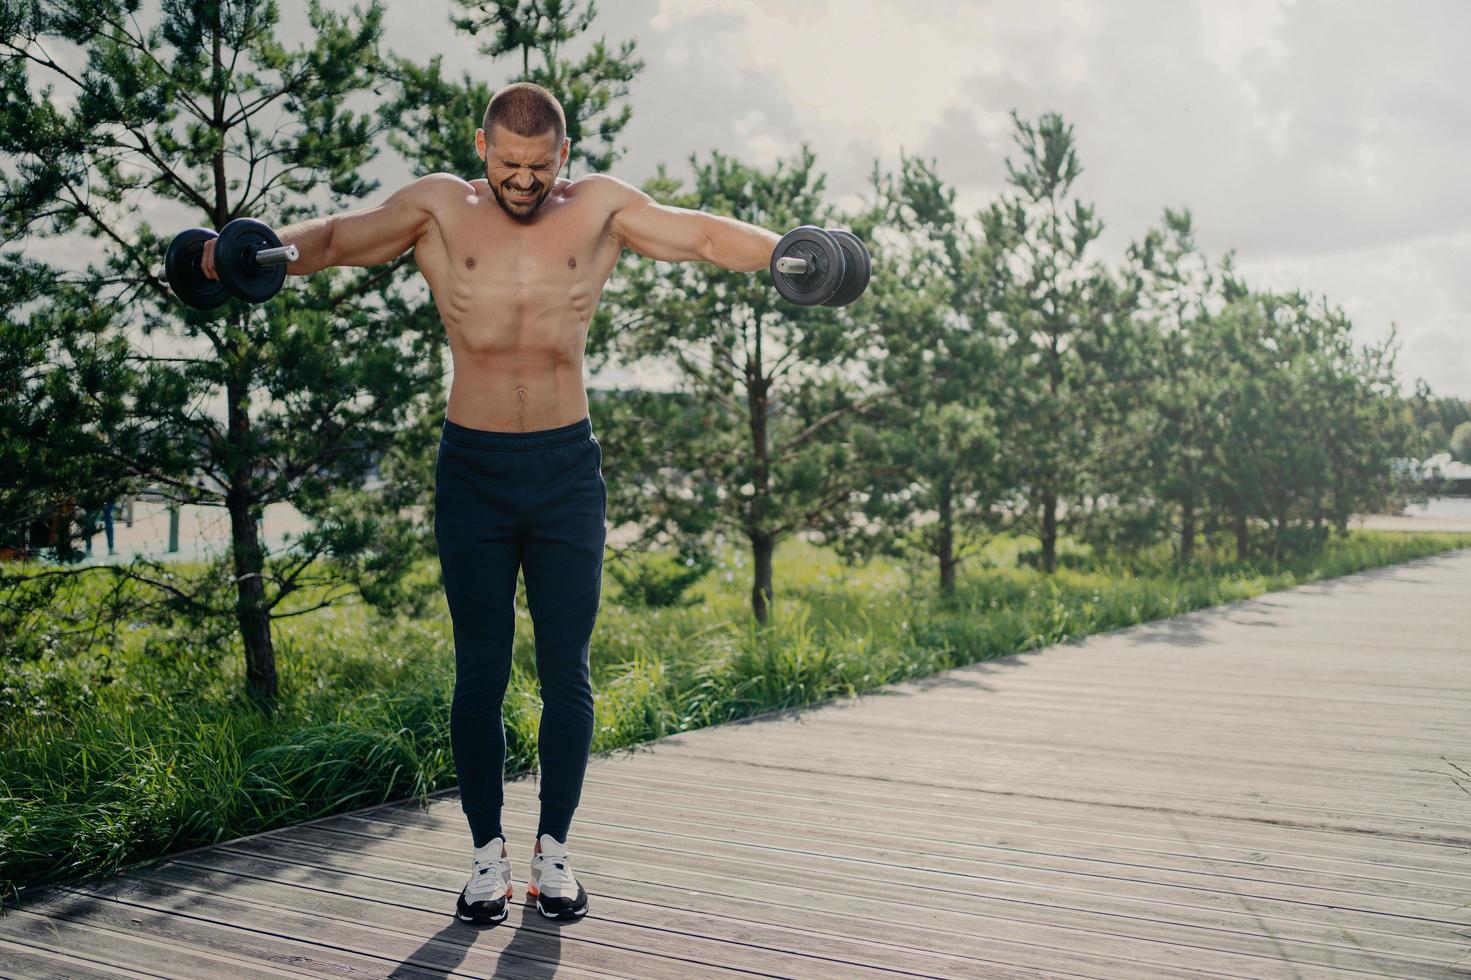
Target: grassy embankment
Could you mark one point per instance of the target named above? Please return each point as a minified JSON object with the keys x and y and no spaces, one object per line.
{"x":120,"y":755}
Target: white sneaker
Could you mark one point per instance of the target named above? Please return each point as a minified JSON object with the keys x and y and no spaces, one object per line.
{"x":486,"y":896}
{"x":559,"y":895}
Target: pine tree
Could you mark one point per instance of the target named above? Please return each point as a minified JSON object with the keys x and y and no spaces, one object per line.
{"x":930,"y":456}
{"x":207,"y":113}
{"x":754,"y":445}
{"x":1068,"y":327}
{"x":435,"y":118}
{"x":1171,"y":458}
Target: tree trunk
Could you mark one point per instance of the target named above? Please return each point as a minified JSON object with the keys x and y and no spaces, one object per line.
{"x":763,"y":542}
{"x":1278,"y":533}
{"x":1049,"y":532}
{"x":250,"y":604}
{"x":946,"y":542}
{"x":251,"y":613}
{"x":762,"y":546}
{"x":1243,"y":538}
{"x":1187,"y":530}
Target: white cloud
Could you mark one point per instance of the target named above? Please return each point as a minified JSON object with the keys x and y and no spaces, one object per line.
{"x":1417,"y":287}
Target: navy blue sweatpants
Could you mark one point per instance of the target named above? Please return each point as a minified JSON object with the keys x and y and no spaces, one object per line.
{"x":533,"y":501}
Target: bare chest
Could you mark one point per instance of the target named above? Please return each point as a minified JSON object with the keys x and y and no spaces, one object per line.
{"x":480,"y":263}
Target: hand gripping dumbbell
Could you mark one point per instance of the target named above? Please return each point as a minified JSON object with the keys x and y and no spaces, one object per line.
{"x":813,"y":266}
{"x":249,"y":258}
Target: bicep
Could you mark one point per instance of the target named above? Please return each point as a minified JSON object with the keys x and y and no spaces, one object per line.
{"x":380,"y":234}
{"x":659,"y":231}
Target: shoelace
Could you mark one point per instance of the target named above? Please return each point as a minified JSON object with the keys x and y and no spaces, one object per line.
{"x":486,"y":868}
{"x":556,"y":874}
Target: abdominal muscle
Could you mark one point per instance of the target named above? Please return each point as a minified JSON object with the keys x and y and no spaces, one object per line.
{"x":517,"y":377}
{"x":516,"y":301}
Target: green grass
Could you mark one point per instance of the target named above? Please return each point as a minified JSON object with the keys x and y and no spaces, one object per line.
{"x":115,"y":756}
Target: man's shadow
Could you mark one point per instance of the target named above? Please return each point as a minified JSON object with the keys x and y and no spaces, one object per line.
{"x":534,"y":952}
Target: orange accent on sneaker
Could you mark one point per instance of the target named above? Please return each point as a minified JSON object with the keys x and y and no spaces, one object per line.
{"x":531,"y":890}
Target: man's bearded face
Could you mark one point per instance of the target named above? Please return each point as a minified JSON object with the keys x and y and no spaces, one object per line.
{"x":521,"y":170}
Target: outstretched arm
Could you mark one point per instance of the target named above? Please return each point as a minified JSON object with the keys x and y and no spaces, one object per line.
{"x":672,"y":234}
{"x":365,"y":237}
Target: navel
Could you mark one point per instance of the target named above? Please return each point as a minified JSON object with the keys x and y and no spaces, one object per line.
{"x":470,"y":262}
{"x":571,"y":263}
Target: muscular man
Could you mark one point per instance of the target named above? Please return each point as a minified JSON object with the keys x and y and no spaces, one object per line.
{"x":516,"y":262}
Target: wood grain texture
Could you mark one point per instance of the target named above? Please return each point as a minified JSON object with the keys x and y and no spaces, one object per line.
{"x":1273,"y":788}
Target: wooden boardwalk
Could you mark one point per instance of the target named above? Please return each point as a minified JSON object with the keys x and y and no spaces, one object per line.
{"x":1276,"y":788}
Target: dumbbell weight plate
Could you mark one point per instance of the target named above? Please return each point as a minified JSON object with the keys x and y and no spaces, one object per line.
{"x":186,"y":279}
{"x":235,"y":260}
{"x":825,"y":265}
{"x":857,"y":266}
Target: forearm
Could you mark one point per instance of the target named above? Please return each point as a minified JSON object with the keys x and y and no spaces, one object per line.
{"x":313,"y":239}
{"x":737,"y":245}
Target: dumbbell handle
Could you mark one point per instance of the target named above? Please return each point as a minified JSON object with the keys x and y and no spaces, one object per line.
{"x":277,"y":256}
{"x":791,"y":265}
{"x":266,"y":256}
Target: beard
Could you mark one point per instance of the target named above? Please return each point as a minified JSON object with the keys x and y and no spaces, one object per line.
{"x":522,"y":209}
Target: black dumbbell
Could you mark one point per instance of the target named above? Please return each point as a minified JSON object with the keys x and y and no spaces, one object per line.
{"x":856,"y":269}
{"x":249,"y":258}
{"x":181,"y":270}
{"x":812,"y":266}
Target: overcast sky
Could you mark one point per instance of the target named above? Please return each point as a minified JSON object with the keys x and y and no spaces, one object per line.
{"x":1327,"y":142}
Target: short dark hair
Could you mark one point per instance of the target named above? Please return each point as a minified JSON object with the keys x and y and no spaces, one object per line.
{"x":526,"y":109}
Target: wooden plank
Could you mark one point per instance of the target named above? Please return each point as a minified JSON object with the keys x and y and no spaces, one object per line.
{"x":937,"y":837}
{"x":347,"y":948}
{"x":974,"y":934}
{"x":1059,"y":899}
{"x":856,"y":918}
{"x":1143,"y":792}
{"x":214,"y":924}
{"x":1418,"y":792}
{"x":44,"y":963}
{"x":900,"y":863}
{"x":999,"y":718}
{"x":1014,"y":833}
{"x":1378,"y":773}
{"x":131,"y":947}
{"x":769,"y":789}
{"x":766,"y":949}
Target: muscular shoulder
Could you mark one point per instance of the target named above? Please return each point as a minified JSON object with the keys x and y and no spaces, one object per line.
{"x":616,"y":193}
{"x":617,"y":199}
{"x":440,"y":187}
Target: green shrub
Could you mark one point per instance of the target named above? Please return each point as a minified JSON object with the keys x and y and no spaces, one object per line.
{"x":659,"y":581}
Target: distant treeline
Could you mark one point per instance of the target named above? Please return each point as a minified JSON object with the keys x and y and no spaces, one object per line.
{"x":1446,"y":424}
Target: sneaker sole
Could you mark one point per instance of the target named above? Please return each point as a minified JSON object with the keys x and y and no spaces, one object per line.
{"x":464,"y":913}
{"x":572,"y":914}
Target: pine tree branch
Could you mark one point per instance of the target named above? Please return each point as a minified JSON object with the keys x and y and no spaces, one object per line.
{"x":269,"y":97}
{"x":321,"y":605}
{"x":805,"y":436}
{"x":810,"y":518}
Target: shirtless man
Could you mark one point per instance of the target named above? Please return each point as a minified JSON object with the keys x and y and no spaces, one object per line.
{"x":516,"y":262}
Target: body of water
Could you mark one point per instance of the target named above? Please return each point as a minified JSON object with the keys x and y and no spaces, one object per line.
{"x":1442,"y":507}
